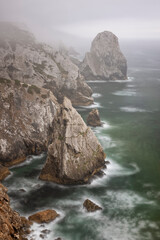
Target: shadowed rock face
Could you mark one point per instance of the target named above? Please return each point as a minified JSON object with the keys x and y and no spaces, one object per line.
{"x":93,"y":118}
{"x":105,"y":59}
{"x":76,"y":154}
{"x":26,"y":114}
{"x":23,"y":58}
{"x":91,"y":206}
{"x":45,"y":216}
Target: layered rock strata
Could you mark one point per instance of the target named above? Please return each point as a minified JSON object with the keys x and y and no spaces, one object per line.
{"x":76,"y":154}
{"x":105,"y":60}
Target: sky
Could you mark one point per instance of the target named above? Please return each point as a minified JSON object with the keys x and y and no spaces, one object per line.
{"x":83,"y":19}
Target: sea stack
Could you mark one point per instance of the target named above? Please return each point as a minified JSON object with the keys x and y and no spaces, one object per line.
{"x":93,"y":118}
{"x":105,"y":60}
{"x":75,"y":154}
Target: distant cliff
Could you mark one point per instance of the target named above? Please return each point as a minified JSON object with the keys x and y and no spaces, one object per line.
{"x":23,"y":58}
{"x":105,"y":59}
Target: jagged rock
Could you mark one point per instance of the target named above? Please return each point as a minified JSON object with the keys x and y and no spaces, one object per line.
{"x":45,"y":216}
{"x":27,"y":114}
{"x":93,"y":118}
{"x":4,"y":172}
{"x":12,"y":225}
{"x":105,"y":59}
{"x":91,"y":206}
{"x":23,"y":58}
{"x":75,"y":155}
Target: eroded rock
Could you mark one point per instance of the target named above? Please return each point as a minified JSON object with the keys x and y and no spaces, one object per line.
{"x":4,"y":172}
{"x":45,"y":216}
{"x":76,"y":154}
{"x":91,"y":206}
{"x":12,"y":225}
{"x":105,"y":59}
{"x":93,"y":118}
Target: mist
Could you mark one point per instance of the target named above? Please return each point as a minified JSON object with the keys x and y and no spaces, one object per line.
{"x":77,"y":22}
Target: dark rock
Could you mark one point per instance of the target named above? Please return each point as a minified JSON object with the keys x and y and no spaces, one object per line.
{"x":45,"y":216}
{"x":91,"y":206}
{"x":93,"y":118}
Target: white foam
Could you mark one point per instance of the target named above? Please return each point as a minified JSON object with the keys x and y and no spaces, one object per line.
{"x":130,"y":79}
{"x":94,"y":105}
{"x":125,"y":92}
{"x":96,"y":95}
{"x":96,"y":81}
{"x":132,"y":109}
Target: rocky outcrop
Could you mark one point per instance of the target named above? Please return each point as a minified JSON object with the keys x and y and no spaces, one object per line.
{"x":105,"y":59}
{"x":91,"y":206}
{"x":76,"y":154}
{"x":4,"y":172}
{"x":45,"y":216}
{"x":12,"y":225}
{"x":23,"y":58}
{"x":27,"y":113}
{"x":93,"y":118}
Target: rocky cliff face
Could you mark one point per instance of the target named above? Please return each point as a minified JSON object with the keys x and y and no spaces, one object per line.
{"x":23,"y":58}
{"x":76,"y":154}
{"x":105,"y":59}
{"x":12,"y":225}
{"x":26,"y":114}
{"x":32,"y":120}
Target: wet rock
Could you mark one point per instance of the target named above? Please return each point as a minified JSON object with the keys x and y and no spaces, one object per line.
{"x":46,"y":231}
{"x":45,"y":216}
{"x":58,"y":239}
{"x":75,"y":155}
{"x":93,"y":118}
{"x":4,"y":172}
{"x":105,"y":59}
{"x":91,"y":206}
{"x":12,"y":225}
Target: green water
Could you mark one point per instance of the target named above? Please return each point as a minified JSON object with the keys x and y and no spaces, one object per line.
{"x":129,"y":193}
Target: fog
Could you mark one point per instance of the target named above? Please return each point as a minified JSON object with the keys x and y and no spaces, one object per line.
{"x":77,"y":22}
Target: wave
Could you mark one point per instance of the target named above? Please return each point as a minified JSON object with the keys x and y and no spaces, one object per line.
{"x":96,"y":95}
{"x":125,"y":92}
{"x":96,"y":81}
{"x":94,"y":105}
{"x":132,"y":109}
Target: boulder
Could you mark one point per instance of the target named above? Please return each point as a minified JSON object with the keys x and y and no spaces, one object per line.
{"x":91,"y":206}
{"x":75,"y":155}
{"x":105,"y":60}
{"x":45,"y":216}
{"x":4,"y":172}
{"x":93,"y":118}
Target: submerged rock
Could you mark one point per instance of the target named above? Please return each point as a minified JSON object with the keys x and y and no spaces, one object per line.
{"x":93,"y":118}
{"x":75,"y":154}
{"x":4,"y":172}
{"x":12,"y":225}
{"x":105,"y":59}
{"x":45,"y":216}
{"x":23,"y":58}
{"x":91,"y":206}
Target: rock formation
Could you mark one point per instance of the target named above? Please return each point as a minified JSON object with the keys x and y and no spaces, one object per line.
{"x":26,"y":114}
{"x":91,"y":206}
{"x":23,"y":58}
{"x":93,"y":118}
{"x":105,"y":59}
{"x":4,"y":172}
{"x":12,"y":225}
{"x":45,"y":216}
{"x":76,"y":154}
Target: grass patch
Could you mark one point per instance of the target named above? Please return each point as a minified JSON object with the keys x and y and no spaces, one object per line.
{"x":33,"y":88}
{"x":17,"y":83}
{"x":44,"y":96}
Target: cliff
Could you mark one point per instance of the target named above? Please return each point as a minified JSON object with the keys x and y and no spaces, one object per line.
{"x":12,"y":225}
{"x":23,"y":58}
{"x":105,"y":60}
{"x":26,"y":114}
{"x":76,"y":155}
{"x":33,"y":121}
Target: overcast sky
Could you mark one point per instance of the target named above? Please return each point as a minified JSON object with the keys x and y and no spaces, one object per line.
{"x":85,"y":18}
